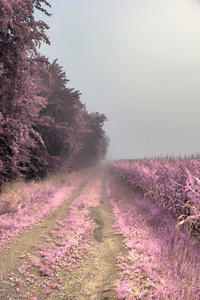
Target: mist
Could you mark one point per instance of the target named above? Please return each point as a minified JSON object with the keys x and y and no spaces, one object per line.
{"x":139,"y":63}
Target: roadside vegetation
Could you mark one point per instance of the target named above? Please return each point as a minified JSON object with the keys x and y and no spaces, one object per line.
{"x":172,"y":183}
{"x":24,"y":204}
{"x":90,"y":235}
{"x":44,"y":126}
{"x":162,"y":260}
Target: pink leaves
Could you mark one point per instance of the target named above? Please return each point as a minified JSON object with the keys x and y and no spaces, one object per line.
{"x":46,"y":271}
{"x":123,"y":291}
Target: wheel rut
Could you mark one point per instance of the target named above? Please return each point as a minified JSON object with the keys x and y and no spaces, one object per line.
{"x":13,"y":251}
{"x":93,"y":270}
{"x":95,"y":279}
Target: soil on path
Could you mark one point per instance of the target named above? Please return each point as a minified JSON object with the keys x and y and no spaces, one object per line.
{"x":93,"y":279}
{"x":23,"y":243}
{"x":138,"y":258}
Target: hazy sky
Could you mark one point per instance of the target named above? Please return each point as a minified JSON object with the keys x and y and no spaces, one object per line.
{"x":137,"y":61}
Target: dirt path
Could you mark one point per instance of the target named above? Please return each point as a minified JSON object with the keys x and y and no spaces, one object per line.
{"x":103,"y":242}
{"x":96,"y":276}
{"x":96,"y":271}
{"x":22,"y":244}
{"x":12,"y":254}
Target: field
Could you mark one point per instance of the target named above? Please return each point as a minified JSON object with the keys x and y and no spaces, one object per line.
{"x":125,"y":230}
{"x":171,"y":183}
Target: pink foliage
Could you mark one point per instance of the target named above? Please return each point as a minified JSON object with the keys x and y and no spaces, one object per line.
{"x":65,"y":247}
{"x":138,"y":259}
{"x":29,"y":212}
{"x":172,"y":183}
{"x":155,"y":265}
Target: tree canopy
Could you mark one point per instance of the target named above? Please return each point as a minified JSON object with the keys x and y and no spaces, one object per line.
{"x":43,"y":124}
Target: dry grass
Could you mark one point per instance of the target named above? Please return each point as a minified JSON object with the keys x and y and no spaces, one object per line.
{"x":21,"y":202}
{"x":163,"y":261}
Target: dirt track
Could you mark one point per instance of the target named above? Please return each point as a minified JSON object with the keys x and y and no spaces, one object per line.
{"x":95,"y":277}
{"x":92,"y":260}
{"x":97,"y":273}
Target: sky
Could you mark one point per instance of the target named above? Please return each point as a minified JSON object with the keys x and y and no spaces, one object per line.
{"x":138,"y":62}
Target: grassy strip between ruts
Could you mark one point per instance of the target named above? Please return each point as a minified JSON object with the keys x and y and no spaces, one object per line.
{"x":41,"y":272}
{"x":21,"y":202}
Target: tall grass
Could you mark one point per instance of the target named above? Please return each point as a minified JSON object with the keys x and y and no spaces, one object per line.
{"x":170,"y":182}
{"x":163,"y":261}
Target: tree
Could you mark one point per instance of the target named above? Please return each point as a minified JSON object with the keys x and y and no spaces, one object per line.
{"x":63,"y":117}
{"x":43,"y":124}
{"x":20,"y":104}
{"x":72,"y":137}
{"x":95,"y":142}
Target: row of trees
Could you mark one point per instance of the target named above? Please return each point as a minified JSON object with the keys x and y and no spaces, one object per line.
{"x":43,"y":124}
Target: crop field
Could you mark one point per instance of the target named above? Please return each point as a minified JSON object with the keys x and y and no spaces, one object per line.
{"x":173,"y":183}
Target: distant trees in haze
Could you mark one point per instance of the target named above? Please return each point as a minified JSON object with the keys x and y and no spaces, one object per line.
{"x":43,"y":124}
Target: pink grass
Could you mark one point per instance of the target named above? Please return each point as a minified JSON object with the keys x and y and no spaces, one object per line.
{"x":172,"y":183}
{"x":161,"y":263}
{"x":64,"y":248}
{"x":20,"y":205}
